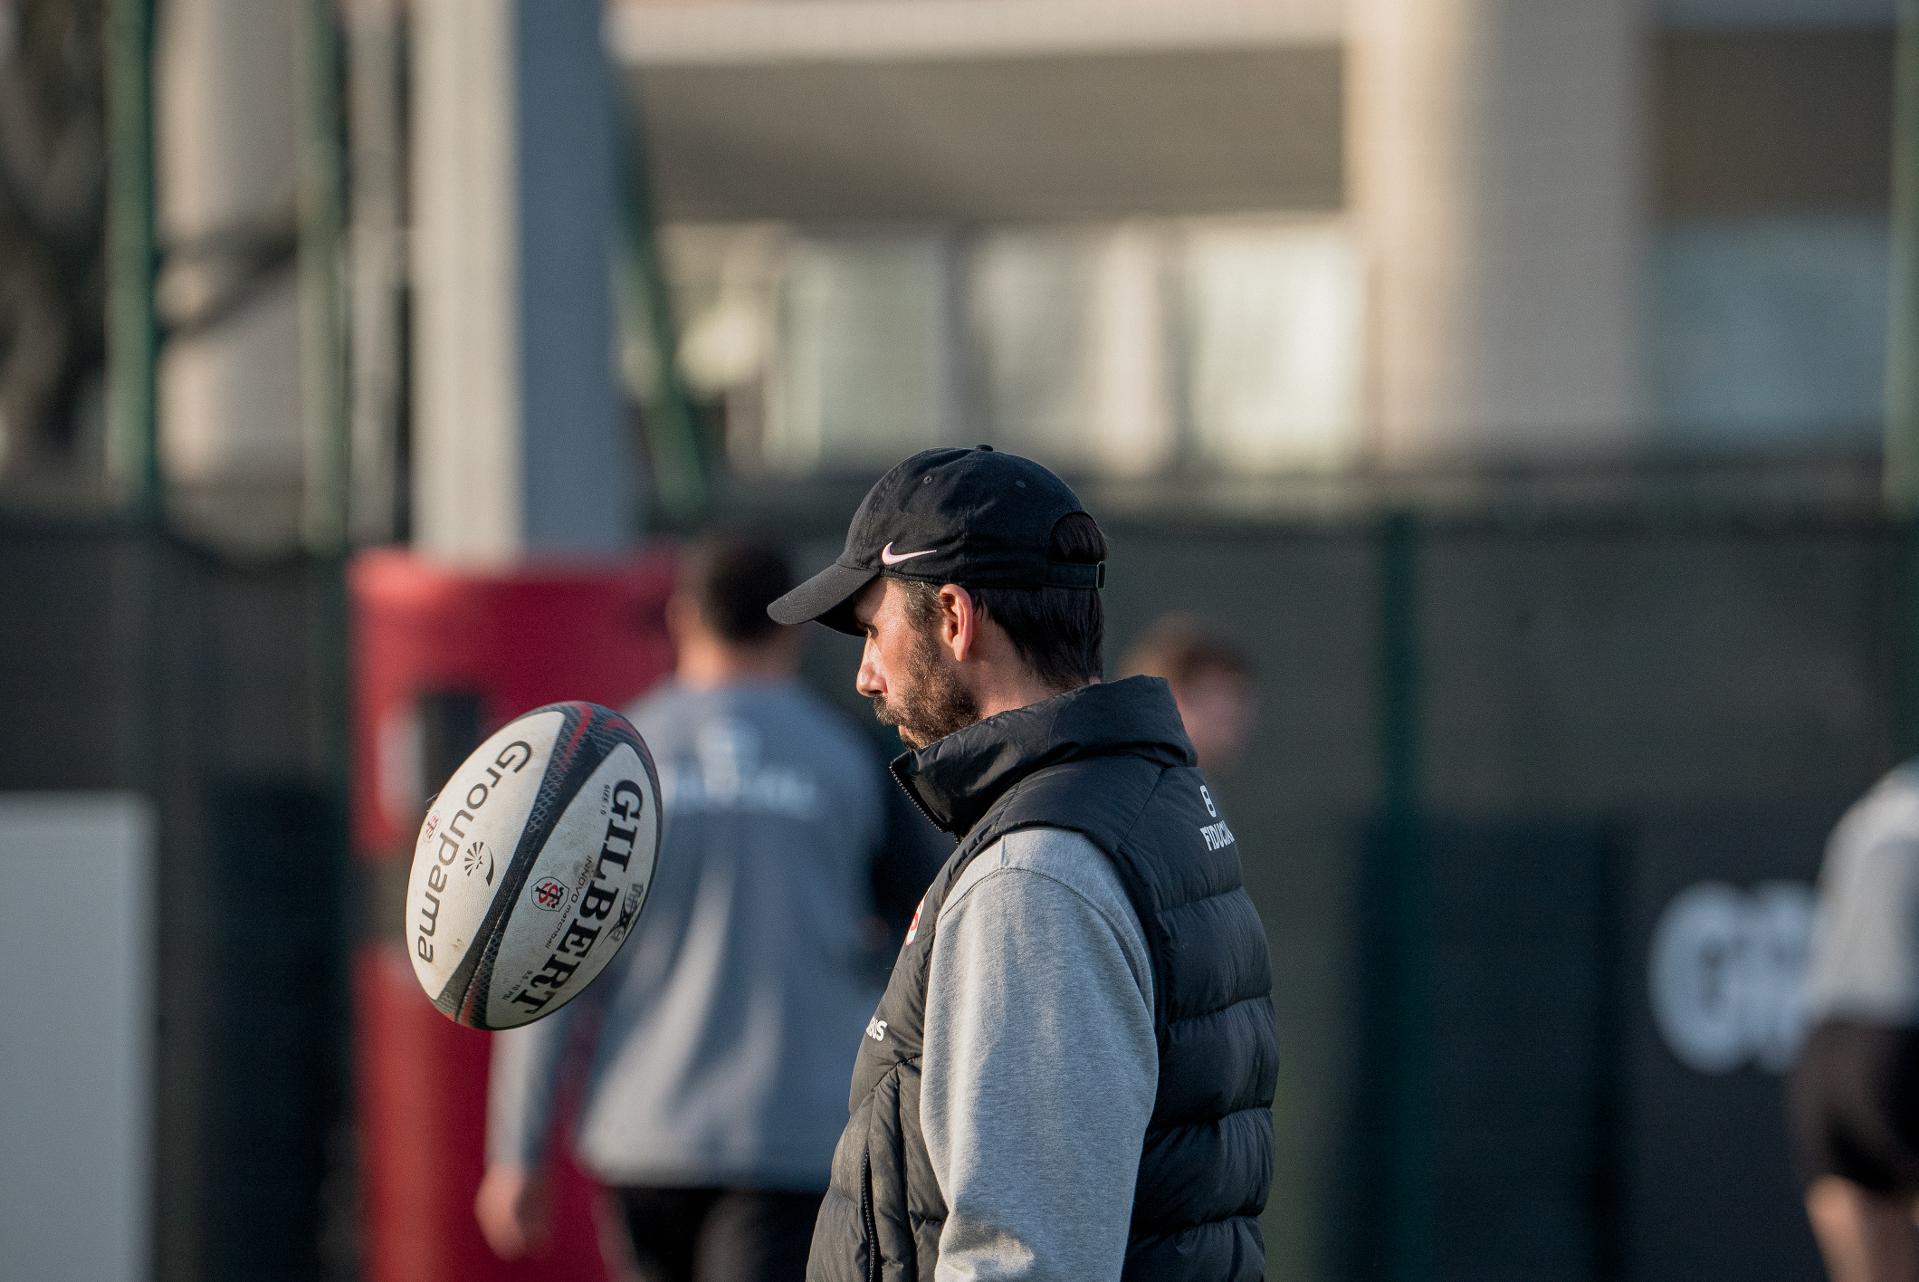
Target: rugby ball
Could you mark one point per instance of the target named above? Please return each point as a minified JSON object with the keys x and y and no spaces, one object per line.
{"x":532,"y":865}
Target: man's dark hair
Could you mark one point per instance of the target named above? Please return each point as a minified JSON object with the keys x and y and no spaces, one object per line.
{"x":731,"y":579}
{"x":1060,"y":632}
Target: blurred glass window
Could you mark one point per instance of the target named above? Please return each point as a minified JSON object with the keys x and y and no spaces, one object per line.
{"x":1771,"y":332}
{"x":1125,"y":350}
{"x":1271,"y":318}
{"x":865,"y":352}
{"x":1068,"y":334}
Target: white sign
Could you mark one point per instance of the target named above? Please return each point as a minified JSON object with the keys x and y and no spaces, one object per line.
{"x":1725,"y":974}
{"x":76,"y":1088}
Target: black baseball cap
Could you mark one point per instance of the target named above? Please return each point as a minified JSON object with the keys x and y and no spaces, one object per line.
{"x":975,"y":517}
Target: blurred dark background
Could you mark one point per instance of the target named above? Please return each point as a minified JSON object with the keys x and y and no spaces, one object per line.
{"x":1523,"y":386}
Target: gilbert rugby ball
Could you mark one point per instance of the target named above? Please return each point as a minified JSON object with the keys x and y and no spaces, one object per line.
{"x":532,"y":865}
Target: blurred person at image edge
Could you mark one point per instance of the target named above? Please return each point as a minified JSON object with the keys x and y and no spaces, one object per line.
{"x":1854,"y":1090}
{"x":714,"y":1075}
{"x":1212,"y":683}
{"x":1071,"y":1073}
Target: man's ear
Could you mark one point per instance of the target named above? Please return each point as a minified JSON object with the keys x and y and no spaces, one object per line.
{"x":959,"y":622}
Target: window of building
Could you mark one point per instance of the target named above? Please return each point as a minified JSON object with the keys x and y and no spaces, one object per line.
{"x":1120,"y":350}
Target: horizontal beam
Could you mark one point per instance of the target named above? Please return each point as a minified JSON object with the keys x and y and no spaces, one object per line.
{"x":760,"y":31}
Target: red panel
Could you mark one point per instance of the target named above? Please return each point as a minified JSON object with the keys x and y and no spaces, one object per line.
{"x":422,"y":1104}
{"x":520,"y":640}
{"x":517,"y":641}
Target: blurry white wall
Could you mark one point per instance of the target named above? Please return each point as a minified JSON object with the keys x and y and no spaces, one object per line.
{"x":1498,"y":162}
{"x":76,"y":1073}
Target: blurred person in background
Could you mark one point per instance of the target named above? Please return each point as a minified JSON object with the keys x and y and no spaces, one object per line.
{"x":712,"y":1051}
{"x":1070,"y":1075}
{"x":1854,"y":1090}
{"x":1212,"y":682}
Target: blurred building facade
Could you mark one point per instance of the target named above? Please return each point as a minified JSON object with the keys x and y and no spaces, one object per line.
{"x":1266,"y":245}
{"x":1259,"y":241}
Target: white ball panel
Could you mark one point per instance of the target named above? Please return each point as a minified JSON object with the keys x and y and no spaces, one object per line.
{"x":468,"y":837}
{"x":585,"y":890}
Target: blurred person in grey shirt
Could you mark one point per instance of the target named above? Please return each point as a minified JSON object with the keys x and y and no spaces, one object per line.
{"x":713,"y":1050}
{"x":1854,"y":1090}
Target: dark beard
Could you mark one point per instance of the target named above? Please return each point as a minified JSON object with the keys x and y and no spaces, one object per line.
{"x":934,"y":704}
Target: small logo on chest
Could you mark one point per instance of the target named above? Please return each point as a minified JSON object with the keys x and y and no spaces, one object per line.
{"x":876,"y":1030}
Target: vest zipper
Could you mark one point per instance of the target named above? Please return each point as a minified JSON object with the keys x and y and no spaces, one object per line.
{"x":918,"y":805}
{"x":866,"y":1214}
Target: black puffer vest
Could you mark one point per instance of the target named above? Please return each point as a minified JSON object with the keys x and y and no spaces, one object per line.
{"x":1111,"y":762}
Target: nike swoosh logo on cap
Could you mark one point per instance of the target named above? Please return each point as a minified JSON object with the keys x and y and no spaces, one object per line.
{"x":889,"y":557}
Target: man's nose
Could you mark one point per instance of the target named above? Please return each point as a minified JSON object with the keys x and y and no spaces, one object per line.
{"x":867,"y":679}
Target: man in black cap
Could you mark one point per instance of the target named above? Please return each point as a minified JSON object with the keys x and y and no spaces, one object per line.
{"x":1071,"y":1072}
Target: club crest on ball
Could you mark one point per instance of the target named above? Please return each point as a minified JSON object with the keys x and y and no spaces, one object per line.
{"x":549,"y":894}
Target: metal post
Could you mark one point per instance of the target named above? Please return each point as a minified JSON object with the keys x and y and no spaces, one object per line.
{"x":520,"y":444}
{"x":375,"y":329}
{"x":133,"y":259}
{"x":1902,"y":358}
{"x":1408,"y":1238}
{"x":1902,"y":374}
{"x":679,"y":463}
{"x":326,"y":481}
{"x":327,"y":485}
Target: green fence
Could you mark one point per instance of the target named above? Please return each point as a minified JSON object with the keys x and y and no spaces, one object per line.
{"x":1491,"y":752}
{"x":1496,"y":761}
{"x":138,"y":663}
